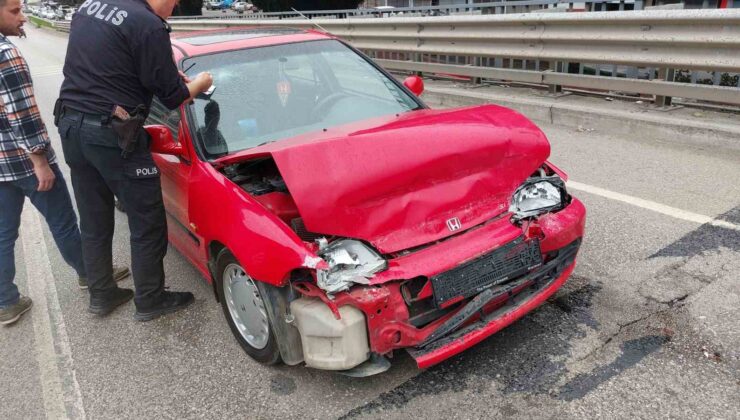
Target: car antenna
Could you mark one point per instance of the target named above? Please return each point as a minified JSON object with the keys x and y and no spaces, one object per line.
{"x":304,"y":17}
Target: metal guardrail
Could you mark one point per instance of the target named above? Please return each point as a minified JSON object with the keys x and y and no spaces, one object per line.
{"x":484,"y":8}
{"x":665,"y":40}
{"x":62,"y":25}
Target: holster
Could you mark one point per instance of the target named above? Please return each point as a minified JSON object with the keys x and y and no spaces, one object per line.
{"x":128,"y":130}
{"x":57,"y":111}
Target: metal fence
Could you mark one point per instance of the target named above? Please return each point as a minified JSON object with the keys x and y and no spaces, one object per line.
{"x":641,"y":52}
{"x":62,"y":25}
{"x":483,"y":8}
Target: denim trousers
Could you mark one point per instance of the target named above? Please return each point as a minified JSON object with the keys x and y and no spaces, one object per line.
{"x":56,"y":207}
{"x":100,"y":173}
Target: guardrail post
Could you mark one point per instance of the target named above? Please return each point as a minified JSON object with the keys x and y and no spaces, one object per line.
{"x":477,"y":62}
{"x":555,"y":66}
{"x":717,"y":78}
{"x":668,"y":75}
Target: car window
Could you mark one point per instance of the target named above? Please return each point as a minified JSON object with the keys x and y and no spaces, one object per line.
{"x":353,"y":74}
{"x":161,"y":115}
{"x":300,"y":69}
{"x":271,"y":93}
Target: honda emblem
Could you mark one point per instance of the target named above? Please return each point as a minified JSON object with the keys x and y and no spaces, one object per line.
{"x":453,"y":224}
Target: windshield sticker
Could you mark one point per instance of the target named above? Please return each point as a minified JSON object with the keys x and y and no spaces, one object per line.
{"x":283,"y":91}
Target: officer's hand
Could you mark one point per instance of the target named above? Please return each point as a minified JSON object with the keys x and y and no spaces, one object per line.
{"x":184,"y":76}
{"x":200,"y":84}
{"x":45,"y":176}
{"x":204,"y":81}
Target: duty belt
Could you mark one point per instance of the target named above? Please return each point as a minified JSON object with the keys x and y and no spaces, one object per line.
{"x":92,"y":119}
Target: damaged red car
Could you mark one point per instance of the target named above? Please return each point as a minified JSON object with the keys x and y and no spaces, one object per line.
{"x":340,"y":220}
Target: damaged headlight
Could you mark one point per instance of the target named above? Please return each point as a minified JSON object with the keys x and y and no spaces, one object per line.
{"x":350,"y":262}
{"x":538,"y":195}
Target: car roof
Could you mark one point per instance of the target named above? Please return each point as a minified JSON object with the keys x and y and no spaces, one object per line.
{"x":207,"y":42}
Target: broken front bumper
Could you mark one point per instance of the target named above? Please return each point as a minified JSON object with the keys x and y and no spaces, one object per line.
{"x":511,"y":301}
{"x":459,"y":323}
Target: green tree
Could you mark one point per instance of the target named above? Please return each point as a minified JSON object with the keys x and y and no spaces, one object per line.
{"x":189,"y":8}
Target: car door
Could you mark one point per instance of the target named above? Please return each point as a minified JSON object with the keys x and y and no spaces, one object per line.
{"x":175,"y":177}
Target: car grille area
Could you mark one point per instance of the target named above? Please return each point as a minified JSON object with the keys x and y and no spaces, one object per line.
{"x":503,"y":264}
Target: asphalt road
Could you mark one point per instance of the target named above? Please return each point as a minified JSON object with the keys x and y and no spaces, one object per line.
{"x":647,"y":327}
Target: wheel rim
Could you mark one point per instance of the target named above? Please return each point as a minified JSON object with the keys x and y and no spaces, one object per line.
{"x":246,"y":307}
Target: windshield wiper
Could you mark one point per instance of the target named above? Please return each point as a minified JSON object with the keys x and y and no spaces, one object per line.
{"x":186,"y":70}
{"x":265,"y":142}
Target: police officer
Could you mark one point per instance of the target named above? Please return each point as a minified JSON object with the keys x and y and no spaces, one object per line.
{"x":119,"y":55}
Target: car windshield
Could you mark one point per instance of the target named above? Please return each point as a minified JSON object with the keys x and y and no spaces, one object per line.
{"x":271,"y":93}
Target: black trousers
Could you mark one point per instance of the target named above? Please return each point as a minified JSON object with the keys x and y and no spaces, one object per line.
{"x":99,"y":172}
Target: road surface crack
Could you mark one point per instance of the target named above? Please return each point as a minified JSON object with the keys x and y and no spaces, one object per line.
{"x":611,"y":337}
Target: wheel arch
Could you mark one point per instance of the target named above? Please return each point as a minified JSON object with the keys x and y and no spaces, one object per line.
{"x":214,"y":249}
{"x":277,"y":300}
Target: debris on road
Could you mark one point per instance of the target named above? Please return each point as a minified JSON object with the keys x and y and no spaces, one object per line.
{"x":711,"y":355}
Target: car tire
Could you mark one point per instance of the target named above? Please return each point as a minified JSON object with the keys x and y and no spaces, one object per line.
{"x":245,"y":312}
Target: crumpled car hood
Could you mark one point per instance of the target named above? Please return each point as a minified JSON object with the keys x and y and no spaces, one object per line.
{"x":397,"y":183}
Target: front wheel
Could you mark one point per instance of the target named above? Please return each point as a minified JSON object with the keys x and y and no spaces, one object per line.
{"x":245,"y":311}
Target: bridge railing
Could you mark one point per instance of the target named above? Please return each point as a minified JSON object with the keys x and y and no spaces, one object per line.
{"x":62,"y":25}
{"x":658,"y":53}
{"x":483,"y":8}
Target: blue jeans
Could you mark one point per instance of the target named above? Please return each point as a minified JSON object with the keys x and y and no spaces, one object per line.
{"x":56,"y":207}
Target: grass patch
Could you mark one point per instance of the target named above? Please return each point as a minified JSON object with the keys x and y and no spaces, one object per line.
{"x":40,"y":23}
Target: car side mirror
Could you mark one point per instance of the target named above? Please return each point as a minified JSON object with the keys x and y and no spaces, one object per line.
{"x":415,"y":84}
{"x":162,"y":141}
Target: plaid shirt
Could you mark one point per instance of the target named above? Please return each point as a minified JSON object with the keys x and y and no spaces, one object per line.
{"x":21,"y":129}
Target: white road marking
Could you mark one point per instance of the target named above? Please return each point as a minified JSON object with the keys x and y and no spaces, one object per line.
{"x":61,"y":392}
{"x":653,"y":206}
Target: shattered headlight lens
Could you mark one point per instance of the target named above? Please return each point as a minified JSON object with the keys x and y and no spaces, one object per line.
{"x":537,"y":196}
{"x":350,"y":262}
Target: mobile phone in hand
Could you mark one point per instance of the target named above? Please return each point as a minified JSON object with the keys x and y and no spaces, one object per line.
{"x":207,"y":94}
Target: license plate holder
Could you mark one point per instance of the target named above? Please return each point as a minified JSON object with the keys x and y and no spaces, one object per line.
{"x":499,"y":266}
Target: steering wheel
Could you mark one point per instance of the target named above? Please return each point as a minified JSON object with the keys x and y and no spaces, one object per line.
{"x":323,"y":105}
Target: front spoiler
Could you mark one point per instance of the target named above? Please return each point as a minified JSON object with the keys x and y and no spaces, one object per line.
{"x":533,"y":291}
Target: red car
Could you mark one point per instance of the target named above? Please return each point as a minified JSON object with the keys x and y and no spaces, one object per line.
{"x":339,"y":219}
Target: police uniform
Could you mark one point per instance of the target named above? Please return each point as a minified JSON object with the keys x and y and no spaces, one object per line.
{"x":119,"y":53}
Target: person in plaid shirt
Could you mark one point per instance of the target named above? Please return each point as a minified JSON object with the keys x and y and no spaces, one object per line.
{"x":28,"y":168}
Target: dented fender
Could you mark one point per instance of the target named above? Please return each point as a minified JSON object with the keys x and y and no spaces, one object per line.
{"x":223,"y":212}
